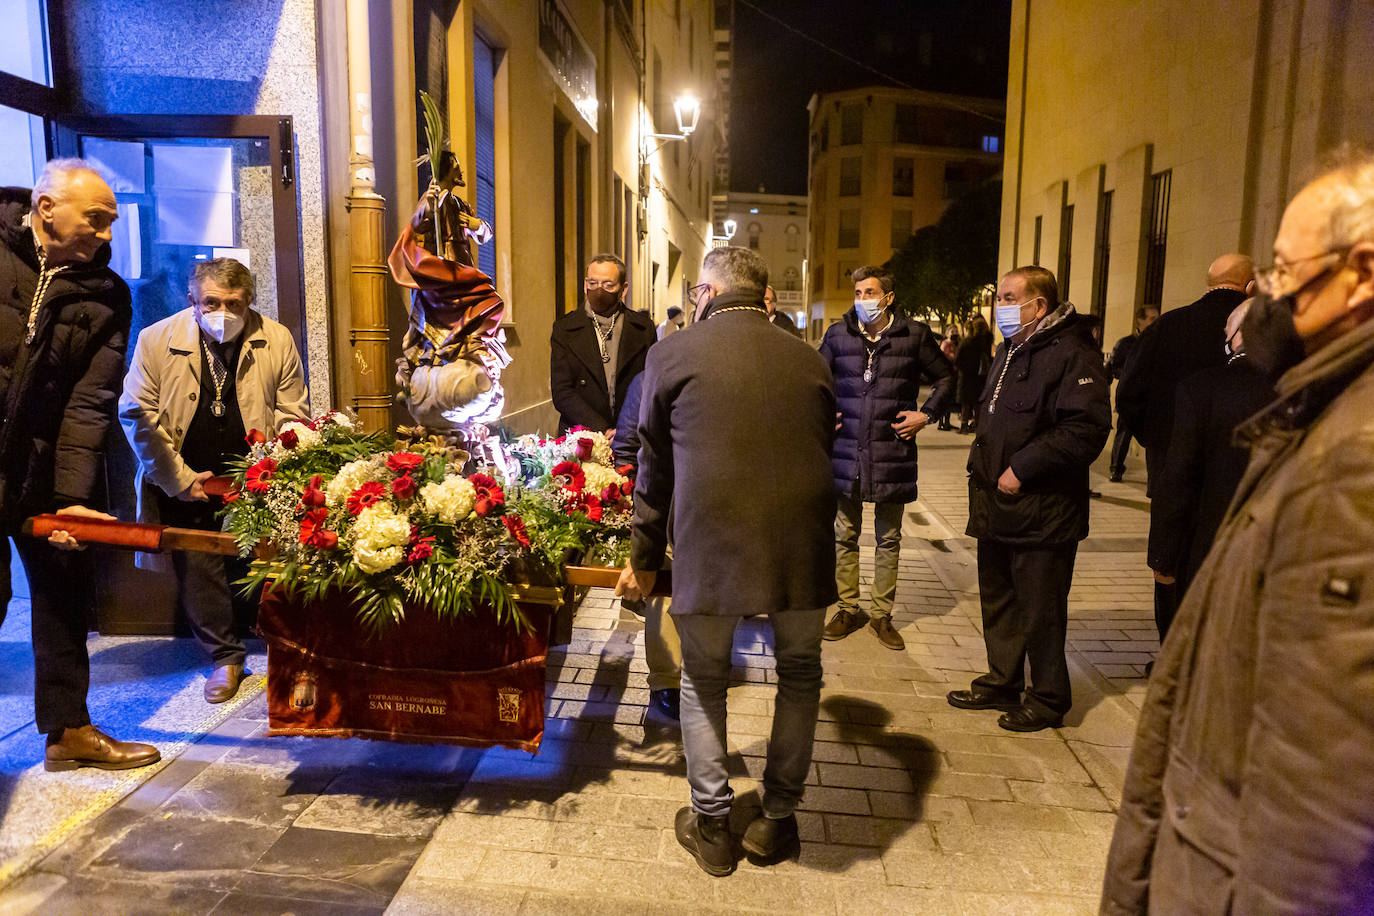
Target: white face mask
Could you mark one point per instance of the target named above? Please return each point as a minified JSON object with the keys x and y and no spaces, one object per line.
{"x":1008,"y":317}
{"x":221,"y":326}
{"x":868,"y":310}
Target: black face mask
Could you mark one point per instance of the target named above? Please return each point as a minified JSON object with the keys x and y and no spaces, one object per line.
{"x":1271,"y":339}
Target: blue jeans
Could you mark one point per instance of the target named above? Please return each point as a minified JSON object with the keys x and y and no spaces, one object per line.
{"x":707,"y":642}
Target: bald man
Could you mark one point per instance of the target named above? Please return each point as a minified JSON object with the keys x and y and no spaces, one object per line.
{"x":1183,"y":341}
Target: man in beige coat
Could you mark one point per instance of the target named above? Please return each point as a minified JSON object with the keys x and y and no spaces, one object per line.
{"x":199,"y":382}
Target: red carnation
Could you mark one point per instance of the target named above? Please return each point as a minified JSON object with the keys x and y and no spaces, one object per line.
{"x":403,"y":487}
{"x":423,"y":550}
{"x":626,"y":470}
{"x":490,"y":496}
{"x":289,"y":439}
{"x":312,"y":496}
{"x":259,"y":477}
{"x":325,"y":539}
{"x":627,"y":487}
{"x":573,"y":476}
{"x":404,"y":461}
{"x":314,"y":519}
{"x":367,"y":495}
{"x":255,"y":437}
{"x":611,"y":494}
{"x":584,"y":448}
{"x":516,"y":526}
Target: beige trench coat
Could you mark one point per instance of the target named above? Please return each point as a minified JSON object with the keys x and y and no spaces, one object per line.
{"x":163,"y":385}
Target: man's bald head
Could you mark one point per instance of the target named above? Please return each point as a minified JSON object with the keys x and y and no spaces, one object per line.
{"x":1231,"y":271}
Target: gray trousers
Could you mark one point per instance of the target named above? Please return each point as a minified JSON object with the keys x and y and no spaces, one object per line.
{"x":887,"y":531}
{"x":707,"y":642}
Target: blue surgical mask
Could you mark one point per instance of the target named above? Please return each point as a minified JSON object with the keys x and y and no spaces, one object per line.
{"x":1009,"y":318}
{"x":868,"y":310}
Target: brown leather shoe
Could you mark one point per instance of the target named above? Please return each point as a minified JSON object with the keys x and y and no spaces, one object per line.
{"x":887,"y":633}
{"x":88,"y":746}
{"x":223,"y":683}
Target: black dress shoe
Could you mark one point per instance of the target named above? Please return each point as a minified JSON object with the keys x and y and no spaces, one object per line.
{"x":977,"y":698}
{"x":667,"y":701}
{"x":707,"y":839}
{"x":1116,"y":476}
{"x":768,"y":841}
{"x":1026,"y":719}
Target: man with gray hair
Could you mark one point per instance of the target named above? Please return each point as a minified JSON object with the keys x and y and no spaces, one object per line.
{"x":63,"y":332}
{"x":1248,"y":786}
{"x":735,"y":433}
{"x":199,"y":381}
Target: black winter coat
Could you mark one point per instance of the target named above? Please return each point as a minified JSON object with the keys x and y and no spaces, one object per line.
{"x":57,"y":394}
{"x":871,"y":464}
{"x":735,"y":433}
{"x":1181,"y":342}
{"x":1048,"y":422}
{"x":1204,"y":465}
{"x":577,"y":379}
{"x":972,"y":360}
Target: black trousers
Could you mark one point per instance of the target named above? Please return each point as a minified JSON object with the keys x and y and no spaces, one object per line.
{"x":1121,"y":446}
{"x":203,"y":583}
{"x":1024,"y":593}
{"x":58,"y":583}
{"x":1167,"y":598}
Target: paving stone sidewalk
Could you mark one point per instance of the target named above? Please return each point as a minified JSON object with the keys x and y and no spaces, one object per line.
{"x":911,"y":806}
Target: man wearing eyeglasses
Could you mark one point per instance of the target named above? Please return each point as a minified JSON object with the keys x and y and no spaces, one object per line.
{"x":596,"y":351}
{"x":1248,"y":786}
{"x":1182,"y":341}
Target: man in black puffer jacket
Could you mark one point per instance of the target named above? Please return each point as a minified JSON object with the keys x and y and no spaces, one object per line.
{"x":879,"y":358}
{"x":1043,"y":419}
{"x":64,"y":325}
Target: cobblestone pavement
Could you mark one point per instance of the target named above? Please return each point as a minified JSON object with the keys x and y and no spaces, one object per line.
{"x":911,"y":807}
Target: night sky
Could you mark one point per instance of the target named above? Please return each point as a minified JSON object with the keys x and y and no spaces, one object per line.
{"x":938,"y":45}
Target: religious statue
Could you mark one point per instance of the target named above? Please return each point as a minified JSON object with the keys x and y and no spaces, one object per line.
{"x":454,"y":350}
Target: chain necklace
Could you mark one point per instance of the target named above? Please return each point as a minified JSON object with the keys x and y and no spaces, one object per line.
{"x":603,"y":338}
{"x":873,"y":350}
{"x":219,"y":374}
{"x":1011,"y":351}
{"x":735,"y":308}
{"x":40,"y":291}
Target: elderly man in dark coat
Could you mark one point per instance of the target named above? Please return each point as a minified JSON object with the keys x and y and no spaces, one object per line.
{"x":1248,"y":789}
{"x":1044,"y":417}
{"x":1182,"y":341}
{"x":64,"y":325}
{"x":736,"y":432}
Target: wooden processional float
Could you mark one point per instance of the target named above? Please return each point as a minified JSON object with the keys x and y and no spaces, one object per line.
{"x":470,"y":681}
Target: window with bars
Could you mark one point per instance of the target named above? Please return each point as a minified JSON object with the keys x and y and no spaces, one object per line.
{"x":851,"y":168}
{"x":849,"y":229}
{"x":1102,"y":253}
{"x":903,"y":172}
{"x":851,"y":125}
{"x":1156,"y":240}
{"x":1065,"y":250}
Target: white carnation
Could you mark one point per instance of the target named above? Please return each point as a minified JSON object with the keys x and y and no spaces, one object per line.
{"x":376,"y":559}
{"x":450,"y":501}
{"x":599,"y":477}
{"x":380,"y":526}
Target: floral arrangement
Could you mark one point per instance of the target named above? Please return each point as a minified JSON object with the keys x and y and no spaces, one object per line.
{"x":389,"y":520}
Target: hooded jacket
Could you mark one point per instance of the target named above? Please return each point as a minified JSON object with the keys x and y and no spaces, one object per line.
{"x":57,"y":395}
{"x":1248,"y":786}
{"x":870,"y":463}
{"x":1044,"y":413}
